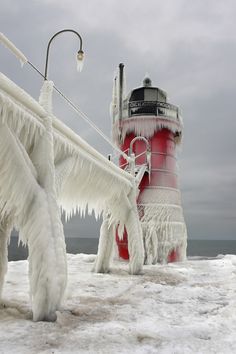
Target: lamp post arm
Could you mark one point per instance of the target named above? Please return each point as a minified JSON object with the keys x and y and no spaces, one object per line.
{"x":49,"y":43}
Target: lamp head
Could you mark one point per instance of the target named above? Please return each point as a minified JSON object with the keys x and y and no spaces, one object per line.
{"x":80,"y":60}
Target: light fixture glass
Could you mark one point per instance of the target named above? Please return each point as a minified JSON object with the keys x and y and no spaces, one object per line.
{"x":80,"y":60}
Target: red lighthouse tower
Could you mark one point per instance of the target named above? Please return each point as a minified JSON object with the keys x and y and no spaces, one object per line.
{"x":148,"y":129}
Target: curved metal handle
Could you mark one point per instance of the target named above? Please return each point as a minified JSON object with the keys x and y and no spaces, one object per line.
{"x":139,"y":138}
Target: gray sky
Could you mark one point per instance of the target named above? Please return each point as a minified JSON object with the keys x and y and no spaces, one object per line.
{"x":189,"y":50}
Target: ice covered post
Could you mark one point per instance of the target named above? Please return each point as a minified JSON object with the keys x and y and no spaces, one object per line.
{"x":149,"y":128}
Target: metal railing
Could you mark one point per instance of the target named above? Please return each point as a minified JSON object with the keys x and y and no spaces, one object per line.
{"x":153,"y":108}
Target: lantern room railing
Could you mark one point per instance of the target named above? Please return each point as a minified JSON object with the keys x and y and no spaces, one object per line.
{"x":155,"y":108}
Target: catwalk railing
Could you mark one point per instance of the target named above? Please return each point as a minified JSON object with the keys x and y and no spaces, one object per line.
{"x":153,"y":108}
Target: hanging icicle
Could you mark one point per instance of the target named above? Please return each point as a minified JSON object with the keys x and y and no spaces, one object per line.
{"x":145,"y":126}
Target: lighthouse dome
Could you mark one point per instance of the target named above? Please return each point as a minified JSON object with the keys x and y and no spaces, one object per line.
{"x":148,"y":100}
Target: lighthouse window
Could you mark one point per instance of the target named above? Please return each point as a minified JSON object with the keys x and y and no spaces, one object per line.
{"x":150,"y":95}
{"x":137,"y":95}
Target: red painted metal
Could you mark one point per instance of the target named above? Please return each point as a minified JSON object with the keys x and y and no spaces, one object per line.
{"x":163,"y":172}
{"x":123,"y":246}
{"x":173,"y":256}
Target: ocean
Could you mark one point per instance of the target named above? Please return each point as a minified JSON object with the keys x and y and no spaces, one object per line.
{"x":201,"y":248}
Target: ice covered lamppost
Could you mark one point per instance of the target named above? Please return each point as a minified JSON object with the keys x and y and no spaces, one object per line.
{"x":45,"y":98}
{"x":48,"y":171}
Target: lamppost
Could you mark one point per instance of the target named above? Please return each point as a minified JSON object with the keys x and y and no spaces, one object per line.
{"x":80,"y":53}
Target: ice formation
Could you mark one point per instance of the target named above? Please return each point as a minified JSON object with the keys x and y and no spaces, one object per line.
{"x":145,"y":126}
{"x":29,"y":200}
{"x":164,"y":231}
{"x":45,"y":165}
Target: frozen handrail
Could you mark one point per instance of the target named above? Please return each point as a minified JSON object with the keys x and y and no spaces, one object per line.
{"x":39,"y":113}
{"x":5,"y":41}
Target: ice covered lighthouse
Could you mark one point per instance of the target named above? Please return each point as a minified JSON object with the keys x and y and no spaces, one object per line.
{"x":148,"y":128}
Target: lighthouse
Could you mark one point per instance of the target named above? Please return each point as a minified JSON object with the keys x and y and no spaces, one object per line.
{"x":149,"y":129}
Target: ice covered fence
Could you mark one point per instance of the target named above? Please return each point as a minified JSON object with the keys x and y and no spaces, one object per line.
{"x":46,"y":166}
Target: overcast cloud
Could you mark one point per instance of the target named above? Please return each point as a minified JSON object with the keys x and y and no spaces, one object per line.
{"x":187,"y":47}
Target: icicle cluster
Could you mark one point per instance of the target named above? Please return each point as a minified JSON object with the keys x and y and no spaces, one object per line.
{"x":145,"y":126}
{"x":164,"y":231}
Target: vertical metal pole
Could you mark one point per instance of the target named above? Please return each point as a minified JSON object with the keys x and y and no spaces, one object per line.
{"x":121,"y":87}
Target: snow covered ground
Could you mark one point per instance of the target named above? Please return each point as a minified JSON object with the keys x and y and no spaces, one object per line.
{"x":180,"y":308}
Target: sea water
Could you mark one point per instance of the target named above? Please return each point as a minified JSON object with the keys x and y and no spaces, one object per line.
{"x":202,"y":248}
